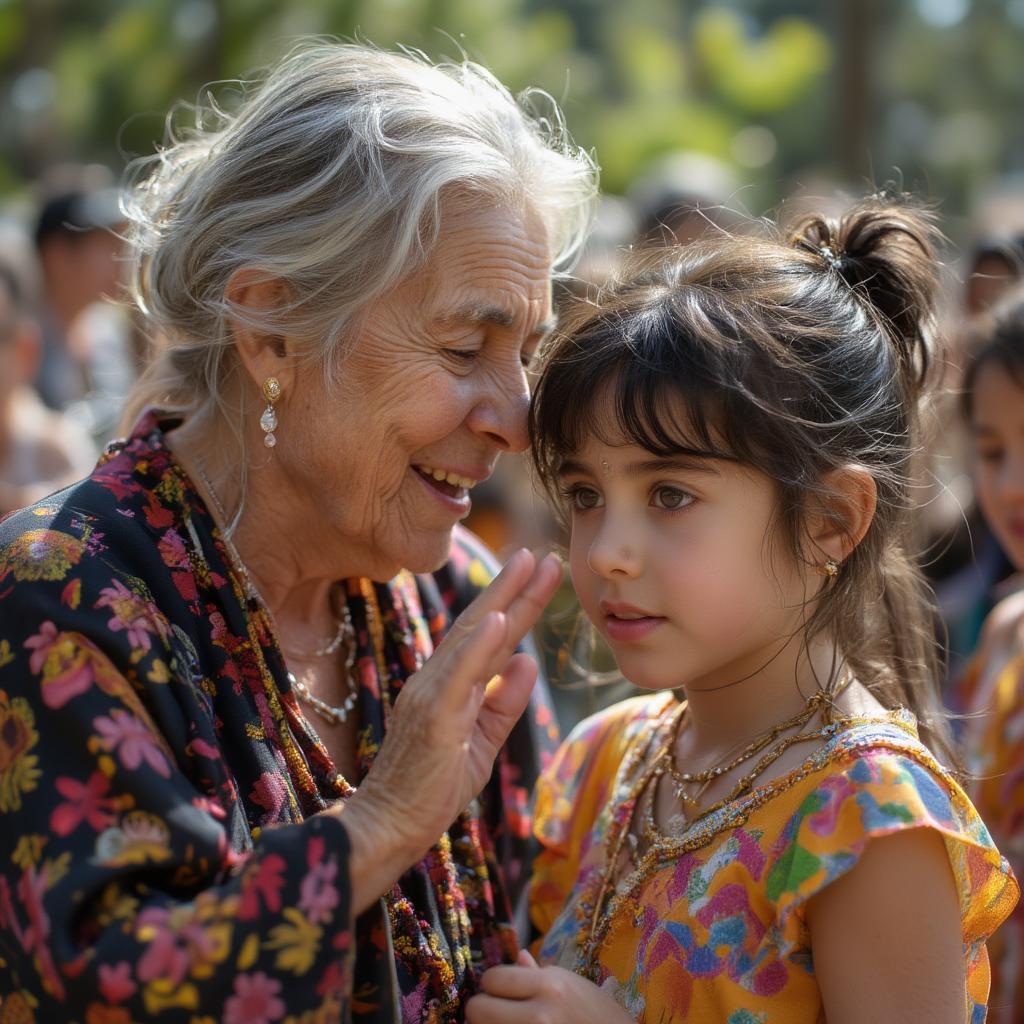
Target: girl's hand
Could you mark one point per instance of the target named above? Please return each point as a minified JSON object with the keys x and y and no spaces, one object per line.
{"x":523,"y":993}
{"x":446,"y":728}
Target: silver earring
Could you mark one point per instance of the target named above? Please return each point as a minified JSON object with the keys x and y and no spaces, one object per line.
{"x":268,"y":421}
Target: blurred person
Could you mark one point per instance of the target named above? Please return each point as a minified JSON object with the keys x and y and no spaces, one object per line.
{"x":967,"y":563}
{"x":264,"y":753}
{"x":40,"y":450}
{"x":88,"y":364}
{"x":992,"y":690}
{"x":996,"y":265}
{"x":680,"y":196}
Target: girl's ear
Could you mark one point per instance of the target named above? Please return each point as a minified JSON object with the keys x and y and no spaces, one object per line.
{"x":847,"y":507}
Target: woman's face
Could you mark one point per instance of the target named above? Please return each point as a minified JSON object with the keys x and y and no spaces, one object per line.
{"x":998,"y":428}
{"x":433,"y":391}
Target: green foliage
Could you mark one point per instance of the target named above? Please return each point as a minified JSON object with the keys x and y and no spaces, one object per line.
{"x":636,"y":80}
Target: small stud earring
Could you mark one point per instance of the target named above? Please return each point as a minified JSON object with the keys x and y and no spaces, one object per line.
{"x":829,"y":568}
{"x":268,"y":421}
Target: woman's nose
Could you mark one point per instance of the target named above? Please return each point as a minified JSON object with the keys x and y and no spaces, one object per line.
{"x":501,"y":414}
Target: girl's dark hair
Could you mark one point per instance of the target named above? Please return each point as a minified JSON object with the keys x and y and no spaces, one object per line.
{"x":997,"y":337}
{"x":796,"y":354}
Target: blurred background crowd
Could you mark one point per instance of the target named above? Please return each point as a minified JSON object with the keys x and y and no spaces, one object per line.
{"x":703,"y":114}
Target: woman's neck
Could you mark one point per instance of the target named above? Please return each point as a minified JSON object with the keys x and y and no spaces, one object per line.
{"x":295,"y":586}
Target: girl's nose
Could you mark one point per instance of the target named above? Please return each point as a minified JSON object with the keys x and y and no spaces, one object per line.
{"x":613,"y":554}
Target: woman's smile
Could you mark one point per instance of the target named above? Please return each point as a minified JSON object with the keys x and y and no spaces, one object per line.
{"x":450,"y":487}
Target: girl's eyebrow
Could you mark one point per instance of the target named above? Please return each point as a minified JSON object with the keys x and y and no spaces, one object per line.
{"x":646,"y":467}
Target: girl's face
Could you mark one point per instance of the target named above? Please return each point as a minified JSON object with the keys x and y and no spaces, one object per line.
{"x":998,"y":428}
{"x":671,"y":562}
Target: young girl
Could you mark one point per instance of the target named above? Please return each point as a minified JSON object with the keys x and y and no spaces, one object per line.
{"x":993,"y":688}
{"x":729,"y":432}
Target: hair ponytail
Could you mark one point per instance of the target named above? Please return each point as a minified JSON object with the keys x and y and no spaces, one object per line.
{"x":885,"y":251}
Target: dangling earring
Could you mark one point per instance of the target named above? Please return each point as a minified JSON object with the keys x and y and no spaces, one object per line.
{"x":268,"y":421}
{"x":829,"y":568}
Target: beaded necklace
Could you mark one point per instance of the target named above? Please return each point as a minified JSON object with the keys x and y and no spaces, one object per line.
{"x":645,"y":848}
{"x":346,"y":634}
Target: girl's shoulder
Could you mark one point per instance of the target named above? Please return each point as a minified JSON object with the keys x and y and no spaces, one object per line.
{"x":871,"y":779}
{"x":581,"y":777}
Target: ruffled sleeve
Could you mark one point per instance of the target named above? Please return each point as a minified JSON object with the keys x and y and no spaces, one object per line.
{"x":572,"y":793}
{"x":876,"y":792}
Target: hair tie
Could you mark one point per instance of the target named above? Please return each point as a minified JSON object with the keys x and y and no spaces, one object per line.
{"x":828,"y":254}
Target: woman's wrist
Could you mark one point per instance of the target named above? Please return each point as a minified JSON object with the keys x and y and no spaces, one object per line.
{"x":380,"y":853}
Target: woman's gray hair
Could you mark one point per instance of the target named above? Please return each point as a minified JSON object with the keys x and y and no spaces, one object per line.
{"x":330,"y":176}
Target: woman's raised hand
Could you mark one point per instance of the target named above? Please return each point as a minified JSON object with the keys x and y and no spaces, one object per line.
{"x":446,"y":728}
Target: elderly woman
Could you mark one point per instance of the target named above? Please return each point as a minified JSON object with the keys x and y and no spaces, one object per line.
{"x":235,"y":782}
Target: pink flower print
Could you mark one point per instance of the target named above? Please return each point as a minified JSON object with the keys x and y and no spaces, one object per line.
{"x":133,"y":742}
{"x":64,"y":662}
{"x":265,"y":880}
{"x":85,"y":802}
{"x":172,"y":550}
{"x":116,"y":983}
{"x":132,"y":613}
{"x":318,"y":895}
{"x":168,"y":949}
{"x":255,"y":1000}
{"x":268,"y":792}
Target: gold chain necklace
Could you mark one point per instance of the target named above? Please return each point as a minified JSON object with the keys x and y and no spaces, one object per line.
{"x":645,"y":833}
{"x":346,"y":634}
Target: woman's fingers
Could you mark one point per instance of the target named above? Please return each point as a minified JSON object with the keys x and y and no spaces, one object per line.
{"x":496,"y":597}
{"x":521,"y":590}
{"x":485,"y":651}
{"x":506,"y":698}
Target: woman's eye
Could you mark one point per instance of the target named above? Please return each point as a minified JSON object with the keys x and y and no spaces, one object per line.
{"x":466,"y":355}
{"x":671,"y":498}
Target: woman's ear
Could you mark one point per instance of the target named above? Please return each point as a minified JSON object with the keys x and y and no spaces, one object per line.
{"x":263,"y":353}
{"x":847,"y":507}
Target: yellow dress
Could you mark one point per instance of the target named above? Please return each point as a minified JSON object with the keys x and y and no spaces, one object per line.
{"x":995,"y":760}
{"x":710,"y":928}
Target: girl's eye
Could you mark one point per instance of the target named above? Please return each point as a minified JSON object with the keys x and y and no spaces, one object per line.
{"x":990,"y":454}
{"x":670,"y":498}
{"x":582,"y":499}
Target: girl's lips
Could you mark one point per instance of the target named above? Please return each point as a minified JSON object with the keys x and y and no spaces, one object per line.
{"x":626,"y":630}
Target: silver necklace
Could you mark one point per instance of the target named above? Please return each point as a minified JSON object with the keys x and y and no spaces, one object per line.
{"x":346,"y":634}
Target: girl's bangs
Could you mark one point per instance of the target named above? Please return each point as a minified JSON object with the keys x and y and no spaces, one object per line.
{"x":618,"y":395}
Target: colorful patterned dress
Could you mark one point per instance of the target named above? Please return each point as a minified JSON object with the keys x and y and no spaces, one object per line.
{"x":712,"y":929}
{"x":994,"y":742}
{"x":159,"y":782}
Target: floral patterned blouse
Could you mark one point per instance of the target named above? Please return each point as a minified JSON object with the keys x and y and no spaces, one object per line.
{"x":710,"y":928}
{"x":994,"y":742}
{"x":162,"y":855}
